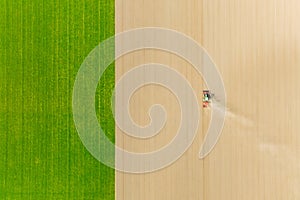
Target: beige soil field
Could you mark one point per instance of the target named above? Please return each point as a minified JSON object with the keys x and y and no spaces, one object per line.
{"x":256,"y":47}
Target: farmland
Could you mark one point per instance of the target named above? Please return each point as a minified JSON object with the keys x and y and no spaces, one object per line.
{"x":42,"y":45}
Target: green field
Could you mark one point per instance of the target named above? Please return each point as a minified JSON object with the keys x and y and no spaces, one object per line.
{"x":42,"y":45}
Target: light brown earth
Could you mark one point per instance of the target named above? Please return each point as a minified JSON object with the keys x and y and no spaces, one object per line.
{"x":256,"y":46}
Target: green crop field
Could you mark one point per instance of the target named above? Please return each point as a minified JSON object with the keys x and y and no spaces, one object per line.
{"x":42,"y":45}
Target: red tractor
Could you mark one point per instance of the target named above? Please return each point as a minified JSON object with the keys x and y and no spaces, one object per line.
{"x":206,"y":100}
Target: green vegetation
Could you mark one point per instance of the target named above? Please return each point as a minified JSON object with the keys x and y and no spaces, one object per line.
{"x":42,"y":45}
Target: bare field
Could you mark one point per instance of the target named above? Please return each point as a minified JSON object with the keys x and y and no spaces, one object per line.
{"x":256,"y":46}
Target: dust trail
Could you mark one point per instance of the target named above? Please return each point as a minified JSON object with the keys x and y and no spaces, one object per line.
{"x":233,"y":116}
